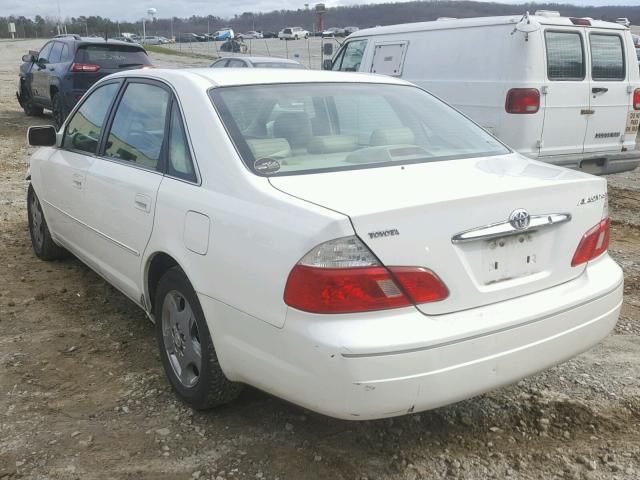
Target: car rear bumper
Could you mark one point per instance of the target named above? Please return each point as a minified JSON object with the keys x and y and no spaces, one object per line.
{"x":597,"y":163}
{"x":394,"y":362}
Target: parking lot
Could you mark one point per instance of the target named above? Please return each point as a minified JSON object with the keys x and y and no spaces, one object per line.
{"x":306,"y":51}
{"x":83,"y":394}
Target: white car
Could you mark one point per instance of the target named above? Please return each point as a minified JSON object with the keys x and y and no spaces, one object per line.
{"x":623,"y":21}
{"x":252,"y":35}
{"x":344,"y":241}
{"x":293,"y":33}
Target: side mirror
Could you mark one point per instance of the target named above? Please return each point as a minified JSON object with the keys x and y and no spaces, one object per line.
{"x":29,"y":58}
{"x":327,"y":49}
{"x":327,"y":64}
{"x":42,"y":136}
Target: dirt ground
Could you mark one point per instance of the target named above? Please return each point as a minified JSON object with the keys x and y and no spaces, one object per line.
{"x":83,"y":395}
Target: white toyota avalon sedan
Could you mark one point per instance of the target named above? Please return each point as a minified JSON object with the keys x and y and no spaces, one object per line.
{"x":344,"y":241}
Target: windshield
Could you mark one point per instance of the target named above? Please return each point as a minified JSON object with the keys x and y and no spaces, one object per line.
{"x":113,"y":56}
{"x":306,"y":128}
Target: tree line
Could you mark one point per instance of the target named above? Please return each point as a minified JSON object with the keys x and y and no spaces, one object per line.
{"x":357,"y":15}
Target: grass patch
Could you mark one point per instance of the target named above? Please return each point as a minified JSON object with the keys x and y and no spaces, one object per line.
{"x":171,"y":51}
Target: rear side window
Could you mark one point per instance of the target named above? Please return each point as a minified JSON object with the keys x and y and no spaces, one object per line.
{"x":84,"y":128}
{"x":565,"y":56}
{"x":138,"y":127}
{"x":64,"y":56}
{"x":112,"y":56}
{"x":607,"y":58}
{"x":180,"y":164}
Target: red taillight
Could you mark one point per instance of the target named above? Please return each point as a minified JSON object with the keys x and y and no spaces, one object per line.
{"x":360,"y":289}
{"x":636,"y":99}
{"x":342,"y":290}
{"x":84,"y":67}
{"x":522,"y":100}
{"x":585,"y":22}
{"x":593,"y":244}
{"x":420,"y":284}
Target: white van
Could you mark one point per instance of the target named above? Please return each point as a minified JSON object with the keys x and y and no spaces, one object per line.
{"x":562,"y":90}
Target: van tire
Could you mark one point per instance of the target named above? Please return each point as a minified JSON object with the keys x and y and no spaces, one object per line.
{"x":57,"y":110}
{"x":175,"y":337}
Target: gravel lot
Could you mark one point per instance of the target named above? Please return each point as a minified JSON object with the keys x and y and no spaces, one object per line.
{"x":82,"y":393}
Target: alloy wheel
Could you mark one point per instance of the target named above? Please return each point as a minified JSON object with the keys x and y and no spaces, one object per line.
{"x":181,"y":338}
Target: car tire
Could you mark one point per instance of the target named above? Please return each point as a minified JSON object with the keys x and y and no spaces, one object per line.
{"x":43,"y":245}
{"x":57,"y":110}
{"x":28,"y":104}
{"x":306,"y":37}
{"x":186,"y":349}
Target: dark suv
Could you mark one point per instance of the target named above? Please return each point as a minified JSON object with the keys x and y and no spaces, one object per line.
{"x":56,"y":77}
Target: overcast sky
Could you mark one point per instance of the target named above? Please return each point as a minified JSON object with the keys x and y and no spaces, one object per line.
{"x":134,"y":9}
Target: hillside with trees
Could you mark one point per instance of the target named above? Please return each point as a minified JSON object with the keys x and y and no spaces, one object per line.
{"x":357,"y":15}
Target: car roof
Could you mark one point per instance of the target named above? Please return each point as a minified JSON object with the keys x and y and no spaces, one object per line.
{"x":92,"y":40}
{"x":446,"y":24}
{"x":224,"y":77}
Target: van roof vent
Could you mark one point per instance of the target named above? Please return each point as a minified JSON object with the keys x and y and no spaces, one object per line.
{"x":547,"y":13}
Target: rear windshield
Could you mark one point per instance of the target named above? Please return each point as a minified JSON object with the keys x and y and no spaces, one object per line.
{"x":305,"y":128}
{"x":277,"y":65}
{"x":112,"y":56}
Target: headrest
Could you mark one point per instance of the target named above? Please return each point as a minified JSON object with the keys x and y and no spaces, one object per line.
{"x":332,"y":143}
{"x":392,"y":136}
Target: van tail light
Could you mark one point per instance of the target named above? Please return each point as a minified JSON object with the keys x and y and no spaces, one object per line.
{"x":343,"y":276}
{"x":84,"y":67}
{"x":636,"y":99}
{"x":593,"y":244}
{"x":522,"y":100}
{"x":585,"y":22}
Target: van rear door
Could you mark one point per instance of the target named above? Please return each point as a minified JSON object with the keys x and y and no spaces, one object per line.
{"x":610,"y":91}
{"x":566,"y":101}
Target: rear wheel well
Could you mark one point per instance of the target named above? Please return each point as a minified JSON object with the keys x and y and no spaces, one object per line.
{"x":160,"y":263}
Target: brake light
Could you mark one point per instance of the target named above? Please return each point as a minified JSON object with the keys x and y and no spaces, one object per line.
{"x":593,"y":244}
{"x":585,"y":22}
{"x":343,"y":276}
{"x":636,"y":99}
{"x":84,"y":67}
{"x":522,"y":100}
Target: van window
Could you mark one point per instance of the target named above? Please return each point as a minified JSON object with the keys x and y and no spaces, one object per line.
{"x":607,"y":59}
{"x":350,"y":56}
{"x":565,"y":56}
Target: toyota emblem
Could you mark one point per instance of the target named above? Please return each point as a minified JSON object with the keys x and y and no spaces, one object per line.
{"x":519,"y":219}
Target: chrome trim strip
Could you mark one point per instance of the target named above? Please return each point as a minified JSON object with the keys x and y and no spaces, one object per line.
{"x":503,"y":229}
{"x":98,"y":232}
{"x":491,"y":332}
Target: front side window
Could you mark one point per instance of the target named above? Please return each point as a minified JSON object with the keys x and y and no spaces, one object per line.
{"x":56,"y":52}
{"x":305,"y":128}
{"x":350,"y":57}
{"x":138,"y":127}
{"x":607,"y":57}
{"x":43,"y":56}
{"x":84,"y":128}
{"x":565,"y":56}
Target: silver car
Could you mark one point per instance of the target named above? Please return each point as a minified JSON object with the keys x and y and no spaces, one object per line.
{"x":256,"y":62}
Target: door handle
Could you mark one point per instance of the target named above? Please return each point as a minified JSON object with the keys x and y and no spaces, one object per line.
{"x":143,"y":202}
{"x":77,"y":180}
{"x":599,"y":90}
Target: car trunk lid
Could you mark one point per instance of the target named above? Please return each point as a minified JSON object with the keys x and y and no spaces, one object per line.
{"x":408,"y":216}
